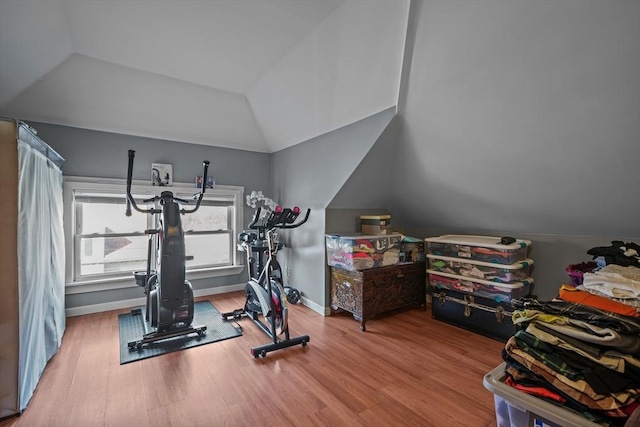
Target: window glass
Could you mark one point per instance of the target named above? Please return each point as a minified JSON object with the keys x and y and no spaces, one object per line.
{"x":106,"y":217}
{"x":207,"y":218}
{"x":103,"y":243}
{"x":208,"y":249}
{"x":113,"y":255}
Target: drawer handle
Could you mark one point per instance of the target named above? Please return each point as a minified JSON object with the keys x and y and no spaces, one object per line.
{"x":400,"y":275}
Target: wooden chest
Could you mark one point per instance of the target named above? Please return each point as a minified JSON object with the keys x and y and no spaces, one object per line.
{"x":370,"y":292}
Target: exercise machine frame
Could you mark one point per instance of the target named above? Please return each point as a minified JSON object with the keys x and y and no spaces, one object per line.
{"x":264,"y":285}
{"x":169,"y":296}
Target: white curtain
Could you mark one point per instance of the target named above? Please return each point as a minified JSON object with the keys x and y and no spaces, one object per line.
{"x":40,"y":265}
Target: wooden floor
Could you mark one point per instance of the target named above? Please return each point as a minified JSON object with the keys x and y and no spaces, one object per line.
{"x":406,"y":369}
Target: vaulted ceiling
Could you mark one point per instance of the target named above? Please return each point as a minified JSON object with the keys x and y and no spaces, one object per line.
{"x":193,"y":71}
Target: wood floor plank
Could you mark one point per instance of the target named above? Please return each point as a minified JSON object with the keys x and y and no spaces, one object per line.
{"x":406,"y":369}
{"x":126,"y":401}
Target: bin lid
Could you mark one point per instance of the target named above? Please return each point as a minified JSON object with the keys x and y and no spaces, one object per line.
{"x":362,"y":236}
{"x":484,"y":241}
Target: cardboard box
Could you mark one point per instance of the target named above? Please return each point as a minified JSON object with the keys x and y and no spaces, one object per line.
{"x":375,"y":224}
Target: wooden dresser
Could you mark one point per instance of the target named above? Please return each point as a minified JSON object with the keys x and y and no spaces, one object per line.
{"x":370,"y":292}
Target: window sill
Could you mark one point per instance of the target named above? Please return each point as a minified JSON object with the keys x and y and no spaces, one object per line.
{"x":124,"y":282}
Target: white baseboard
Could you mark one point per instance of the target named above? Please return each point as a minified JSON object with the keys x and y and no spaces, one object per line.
{"x":136,"y":302}
{"x":324,"y":311}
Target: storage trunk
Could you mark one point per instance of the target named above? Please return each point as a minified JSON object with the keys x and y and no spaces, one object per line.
{"x":368,"y":293}
{"x":481,"y":315}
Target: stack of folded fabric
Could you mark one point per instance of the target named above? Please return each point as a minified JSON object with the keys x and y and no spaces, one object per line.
{"x":581,"y":351}
{"x":619,"y":283}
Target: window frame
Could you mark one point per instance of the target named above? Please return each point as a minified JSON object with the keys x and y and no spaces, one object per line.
{"x":125,"y":280}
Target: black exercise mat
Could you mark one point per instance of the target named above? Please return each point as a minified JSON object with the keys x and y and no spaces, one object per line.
{"x":204,"y":313}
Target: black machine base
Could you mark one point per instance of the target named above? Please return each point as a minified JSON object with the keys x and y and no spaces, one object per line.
{"x":277,"y":344}
{"x":156,"y":335}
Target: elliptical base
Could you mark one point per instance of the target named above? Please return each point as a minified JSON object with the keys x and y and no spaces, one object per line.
{"x":155,"y":335}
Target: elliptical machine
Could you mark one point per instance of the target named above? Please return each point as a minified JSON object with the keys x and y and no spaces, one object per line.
{"x":169,"y":305}
{"x":265,"y":294}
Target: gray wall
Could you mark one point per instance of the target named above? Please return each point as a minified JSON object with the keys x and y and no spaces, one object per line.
{"x":309,"y":175}
{"x":104,"y":155}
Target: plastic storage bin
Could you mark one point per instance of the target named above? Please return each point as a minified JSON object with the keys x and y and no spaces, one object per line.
{"x":498,"y":292}
{"x":503,"y":273}
{"x":478,"y":248}
{"x":412,"y":250}
{"x":362,"y":252}
{"x":517,"y":409}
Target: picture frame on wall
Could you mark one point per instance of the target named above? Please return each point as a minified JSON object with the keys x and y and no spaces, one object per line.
{"x":161,"y":174}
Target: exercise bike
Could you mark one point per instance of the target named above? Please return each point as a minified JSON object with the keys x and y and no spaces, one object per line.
{"x":169,"y":296}
{"x":265,"y":293}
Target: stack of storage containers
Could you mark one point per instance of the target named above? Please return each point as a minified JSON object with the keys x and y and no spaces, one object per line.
{"x":474,"y":278}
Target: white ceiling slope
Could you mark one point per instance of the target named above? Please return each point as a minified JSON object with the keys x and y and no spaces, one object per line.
{"x":168,"y":69}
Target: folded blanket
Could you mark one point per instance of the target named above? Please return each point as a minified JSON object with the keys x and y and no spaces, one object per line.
{"x":571,"y":294}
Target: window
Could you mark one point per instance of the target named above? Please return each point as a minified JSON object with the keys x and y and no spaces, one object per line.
{"x":104,"y":245}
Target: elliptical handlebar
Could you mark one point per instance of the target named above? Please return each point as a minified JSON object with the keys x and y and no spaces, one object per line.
{"x":205,"y":167}
{"x":131,"y":201}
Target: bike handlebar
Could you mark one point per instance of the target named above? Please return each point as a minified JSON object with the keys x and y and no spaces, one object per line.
{"x":131,"y":201}
{"x":282,"y":218}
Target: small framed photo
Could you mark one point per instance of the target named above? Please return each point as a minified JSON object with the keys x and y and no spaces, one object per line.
{"x":211,"y":182}
{"x":161,"y":174}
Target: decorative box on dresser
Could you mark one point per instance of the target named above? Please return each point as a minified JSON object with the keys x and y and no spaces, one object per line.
{"x":368,"y":293}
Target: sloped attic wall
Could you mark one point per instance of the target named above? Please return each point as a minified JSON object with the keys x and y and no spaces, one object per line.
{"x":524,"y":116}
{"x":373,"y":184}
{"x":309,"y":175}
{"x":521,"y":118}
